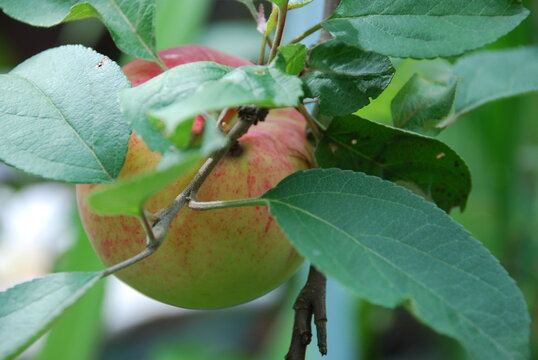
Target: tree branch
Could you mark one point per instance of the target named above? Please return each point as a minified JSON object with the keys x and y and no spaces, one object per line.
{"x":310,"y":302}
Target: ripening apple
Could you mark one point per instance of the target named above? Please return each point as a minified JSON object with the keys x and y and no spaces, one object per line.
{"x":213,"y":258}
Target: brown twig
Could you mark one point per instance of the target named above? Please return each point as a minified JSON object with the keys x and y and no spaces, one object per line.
{"x":310,"y":302}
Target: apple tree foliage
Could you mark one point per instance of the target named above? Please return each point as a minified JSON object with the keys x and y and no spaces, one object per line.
{"x":374,"y":217}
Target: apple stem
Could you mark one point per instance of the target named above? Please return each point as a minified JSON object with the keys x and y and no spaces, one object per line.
{"x":310,"y":303}
{"x":194,"y":204}
{"x":248,"y":116}
{"x":283,"y":11}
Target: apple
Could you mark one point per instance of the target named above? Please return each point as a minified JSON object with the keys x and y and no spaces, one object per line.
{"x":213,"y":258}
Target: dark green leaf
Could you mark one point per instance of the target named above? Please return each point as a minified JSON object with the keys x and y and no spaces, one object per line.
{"x":257,"y":85}
{"x":390,"y":247}
{"x":163,"y":90}
{"x":28,"y":309}
{"x":128,"y":196}
{"x":422,"y":103}
{"x":400,"y":156}
{"x":492,"y":75}
{"x":425,"y":28}
{"x":60,"y":117}
{"x":130,"y":22}
{"x":291,"y":58}
{"x":345,"y":77}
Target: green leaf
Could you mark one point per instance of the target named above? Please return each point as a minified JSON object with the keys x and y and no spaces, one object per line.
{"x":492,"y":75}
{"x":390,"y":247}
{"x":290,"y":58}
{"x":422,"y":103}
{"x":128,"y":196}
{"x":28,"y":309}
{"x":400,"y":156}
{"x":423,"y":29}
{"x":172,"y":86}
{"x":345,"y":77}
{"x":130,"y":22}
{"x":256,"y":85}
{"x":294,"y":4}
{"x":78,"y":332}
{"x":60,"y":117}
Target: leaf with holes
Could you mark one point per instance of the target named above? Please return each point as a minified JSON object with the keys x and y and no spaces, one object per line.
{"x":426,"y":165}
{"x":60,"y":117}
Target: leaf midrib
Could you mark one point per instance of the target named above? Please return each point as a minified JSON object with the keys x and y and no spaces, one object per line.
{"x":69,"y":125}
{"x":441,"y":299}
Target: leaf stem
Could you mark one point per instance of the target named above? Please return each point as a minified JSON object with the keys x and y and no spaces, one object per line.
{"x":224,"y":204}
{"x":248,"y":116}
{"x":310,"y":121}
{"x":283,"y":11}
{"x":307,"y":33}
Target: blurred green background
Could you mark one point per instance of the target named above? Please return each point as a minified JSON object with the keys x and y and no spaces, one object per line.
{"x":499,"y":142}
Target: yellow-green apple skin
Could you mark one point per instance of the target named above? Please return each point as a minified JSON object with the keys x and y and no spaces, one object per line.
{"x":213,"y":258}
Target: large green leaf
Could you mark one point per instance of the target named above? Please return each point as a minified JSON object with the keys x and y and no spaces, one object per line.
{"x":344,"y":78}
{"x":128,"y":196}
{"x":400,"y":156}
{"x":492,"y":75}
{"x":392,"y":247}
{"x":264,"y":86}
{"x":28,"y":309}
{"x":163,"y":90}
{"x":78,"y":332}
{"x":422,"y":103}
{"x":60,"y":117}
{"x":130,"y":21}
{"x":425,"y":28}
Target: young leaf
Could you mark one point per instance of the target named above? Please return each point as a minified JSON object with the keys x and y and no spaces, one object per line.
{"x":400,"y":156}
{"x":128,"y":196}
{"x":130,"y":22}
{"x":292,"y":4}
{"x":390,"y":247}
{"x":290,"y":58}
{"x":423,"y":29}
{"x":345,"y":77}
{"x":422,"y":103}
{"x":163,"y":90}
{"x":257,"y":85}
{"x":28,"y":309}
{"x":492,"y":75}
{"x":60,"y":116}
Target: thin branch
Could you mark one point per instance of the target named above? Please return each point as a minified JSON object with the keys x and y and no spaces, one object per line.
{"x":310,"y":121}
{"x":283,"y":11}
{"x":307,"y":33}
{"x":310,"y":303}
{"x":248,"y":115}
